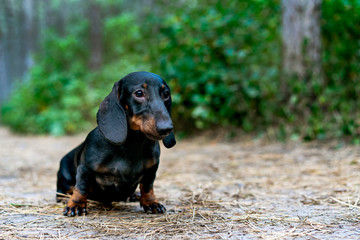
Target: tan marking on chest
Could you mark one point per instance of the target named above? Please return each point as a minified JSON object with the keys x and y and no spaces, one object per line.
{"x":149,"y":163}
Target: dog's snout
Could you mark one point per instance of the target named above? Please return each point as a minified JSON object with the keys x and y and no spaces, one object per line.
{"x":164,"y":128}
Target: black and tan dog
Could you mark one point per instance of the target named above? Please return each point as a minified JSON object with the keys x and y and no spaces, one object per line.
{"x":123,"y":151}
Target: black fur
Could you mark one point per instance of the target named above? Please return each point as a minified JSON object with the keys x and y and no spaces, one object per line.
{"x":115,"y":158}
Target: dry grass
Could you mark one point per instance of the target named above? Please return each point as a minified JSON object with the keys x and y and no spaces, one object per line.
{"x":248,"y":189}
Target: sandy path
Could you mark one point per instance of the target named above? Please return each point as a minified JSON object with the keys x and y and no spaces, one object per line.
{"x":246,"y":189}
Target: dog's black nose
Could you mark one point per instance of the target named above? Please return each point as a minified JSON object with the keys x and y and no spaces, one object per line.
{"x":165,"y":129}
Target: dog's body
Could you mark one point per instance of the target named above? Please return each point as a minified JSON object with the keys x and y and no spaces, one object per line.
{"x":123,"y":151}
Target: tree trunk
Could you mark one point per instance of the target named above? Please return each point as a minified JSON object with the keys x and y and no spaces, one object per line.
{"x":4,"y":86}
{"x":95,"y":37}
{"x":301,"y":39}
{"x":60,"y":19}
{"x":28,"y":34}
{"x":36,"y":36}
{"x":50,"y":15}
{"x":9,"y":46}
{"x":19,"y":40}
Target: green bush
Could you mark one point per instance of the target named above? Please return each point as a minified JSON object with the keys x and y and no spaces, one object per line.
{"x":224,"y":67}
{"x":46,"y":102}
{"x":341,"y":63}
{"x":222,"y":60}
{"x":61,"y":95}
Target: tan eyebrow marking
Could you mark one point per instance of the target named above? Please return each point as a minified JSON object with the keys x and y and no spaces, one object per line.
{"x":145,"y":85}
{"x":163,"y":86}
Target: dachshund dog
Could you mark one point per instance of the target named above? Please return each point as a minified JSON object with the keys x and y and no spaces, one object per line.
{"x":123,"y":150}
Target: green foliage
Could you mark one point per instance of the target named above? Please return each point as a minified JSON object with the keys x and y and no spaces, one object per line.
{"x":222,"y":60}
{"x":331,"y":108}
{"x":120,"y":39}
{"x":45,"y":103}
{"x":61,"y":96}
{"x":224,"y":66}
{"x":342,"y":65}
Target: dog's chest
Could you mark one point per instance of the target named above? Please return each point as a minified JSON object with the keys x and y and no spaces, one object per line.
{"x":122,"y":173}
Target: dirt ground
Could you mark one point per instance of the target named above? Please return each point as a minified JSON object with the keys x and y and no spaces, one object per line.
{"x":246,"y":189}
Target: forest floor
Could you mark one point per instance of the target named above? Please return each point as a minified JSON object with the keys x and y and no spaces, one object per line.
{"x":213,"y":189}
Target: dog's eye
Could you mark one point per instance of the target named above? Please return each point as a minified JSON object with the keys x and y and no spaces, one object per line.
{"x":139,"y":94}
{"x":166,"y":95}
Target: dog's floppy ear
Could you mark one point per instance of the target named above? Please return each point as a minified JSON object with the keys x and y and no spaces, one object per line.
{"x":111,"y":117}
{"x":169,"y":141}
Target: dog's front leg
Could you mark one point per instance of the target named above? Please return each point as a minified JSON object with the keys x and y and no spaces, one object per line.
{"x":148,"y":199}
{"x":76,"y":205}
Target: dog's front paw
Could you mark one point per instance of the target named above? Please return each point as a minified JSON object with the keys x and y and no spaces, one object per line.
{"x":153,"y":207}
{"x":73,"y":211}
{"x":76,"y":205}
{"x":149,"y":202}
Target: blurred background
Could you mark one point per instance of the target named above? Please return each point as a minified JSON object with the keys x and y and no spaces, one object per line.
{"x":286,"y":69}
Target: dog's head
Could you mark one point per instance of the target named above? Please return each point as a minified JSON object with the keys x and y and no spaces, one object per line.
{"x":140,"y":101}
